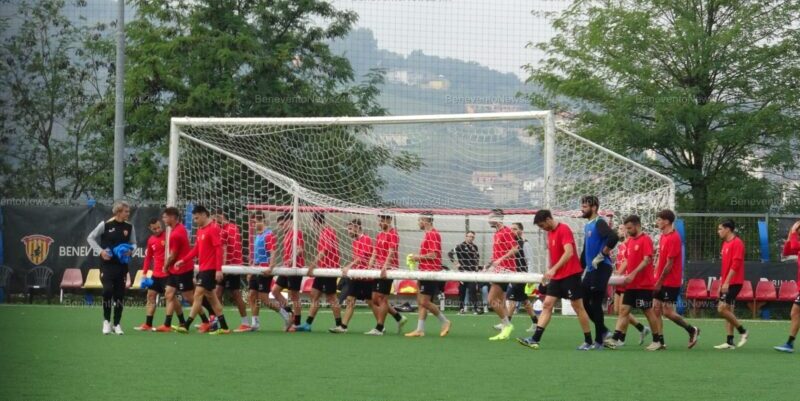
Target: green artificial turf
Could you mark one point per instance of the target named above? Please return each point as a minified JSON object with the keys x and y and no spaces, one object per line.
{"x":57,"y":352}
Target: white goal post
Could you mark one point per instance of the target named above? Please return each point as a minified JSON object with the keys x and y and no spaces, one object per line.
{"x":456,"y":167}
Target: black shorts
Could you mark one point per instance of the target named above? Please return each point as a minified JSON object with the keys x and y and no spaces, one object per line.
{"x":207,"y":279}
{"x":516,"y":293}
{"x":182,"y":282}
{"x":231,"y":282}
{"x":642,"y":299}
{"x":597,"y":279}
{"x":260,"y":283}
{"x":159,"y":284}
{"x":730,"y":296}
{"x":668,"y":294}
{"x":325,"y":285}
{"x":383,"y":286}
{"x":542,"y":289}
{"x":431,"y":288}
{"x":360,"y":289}
{"x":292,"y":283}
{"x":566,"y":288}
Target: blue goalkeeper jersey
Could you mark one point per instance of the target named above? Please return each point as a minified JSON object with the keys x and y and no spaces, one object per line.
{"x":261,"y":253}
{"x":597,"y":235}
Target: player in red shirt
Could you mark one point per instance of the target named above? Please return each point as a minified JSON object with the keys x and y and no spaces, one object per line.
{"x":639,"y":281}
{"x":429,"y":259}
{"x":790,"y":248}
{"x":504,"y":251}
{"x":208,"y":251}
{"x":154,"y":255}
{"x":732,"y":276}
{"x":180,"y":278}
{"x":562,"y":279}
{"x":669,"y":276}
{"x":385,"y":258}
{"x":290,"y":259}
{"x":359,"y":289}
{"x":231,"y":255}
{"x":619,"y":290}
{"x":327,"y":258}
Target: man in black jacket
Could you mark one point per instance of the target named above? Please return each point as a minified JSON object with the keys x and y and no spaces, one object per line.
{"x":465,"y":256}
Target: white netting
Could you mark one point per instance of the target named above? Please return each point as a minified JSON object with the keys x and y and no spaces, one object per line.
{"x":457,"y":167}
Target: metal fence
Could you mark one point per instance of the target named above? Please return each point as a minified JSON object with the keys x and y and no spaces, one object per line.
{"x":703,"y":243}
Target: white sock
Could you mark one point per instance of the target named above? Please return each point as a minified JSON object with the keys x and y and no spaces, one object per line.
{"x":245,"y":320}
{"x":255,"y":321}
{"x":284,"y":314}
{"x":505,"y":322}
{"x":442,"y":318}
{"x":420,"y":325}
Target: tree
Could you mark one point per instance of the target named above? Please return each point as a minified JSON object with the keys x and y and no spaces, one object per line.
{"x":239,"y":58}
{"x":710,"y":87}
{"x":55,"y":87}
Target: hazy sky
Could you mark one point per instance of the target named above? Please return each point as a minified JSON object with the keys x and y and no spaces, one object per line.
{"x":492,"y":33}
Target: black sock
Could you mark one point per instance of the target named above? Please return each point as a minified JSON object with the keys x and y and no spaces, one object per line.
{"x":397,"y":317}
{"x":168,"y":321}
{"x":587,"y":338}
{"x":661,"y":339}
{"x":686,"y":326}
{"x":203,"y":317}
{"x":790,"y":341}
{"x":207,"y":305}
{"x":149,"y":320}
{"x":181,"y":319}
{"x":729,"y":340}
{"x":288,"y":309}
{"x":655,"y":337}
{"x":344,"y":326}
{"x":639,"y":327}
{"x":379,"y":327}
{"x":310,"y":320}
{"x":222,"y":322}
{"x":117,"y":310}
{"x":741,"y":329}
{"x":537,"y":335}
{"x":107,"y":308}
{"x":188,"y":323}
{"x":622,"y":336}
{"x":617,"y":335}
{"x":338,"y":321}
{"x":296,"y":320}
{"x":534,"y":319}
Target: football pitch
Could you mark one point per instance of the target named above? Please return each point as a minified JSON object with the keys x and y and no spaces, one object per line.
{"x":57,"y":352}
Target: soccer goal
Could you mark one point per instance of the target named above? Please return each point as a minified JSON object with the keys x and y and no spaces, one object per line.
{"x":457,"y":168}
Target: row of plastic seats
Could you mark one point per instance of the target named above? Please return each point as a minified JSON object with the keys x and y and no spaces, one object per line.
{"x":765,"y":290}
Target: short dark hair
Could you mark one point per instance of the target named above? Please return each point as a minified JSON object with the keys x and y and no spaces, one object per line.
{"x":590,"y":200}
{"x":519,"y":225}
{"x":666,"y":214}
{"x":471,"y":232}
{"x":542,"y":216}
{"x":285,"y":216}
{"x":154,"y":220}
{"x":258,"y":218}
{"x":427,"y":215}
{"x":497,"y":212}
{"x":200,"y":209}
{"x":355,"y":222}
{"x":729,"y":224}
{"x":633,"y":219}
{"x":319,"y":217}
{"x":172,"y":211}
{"x":385,"y":217}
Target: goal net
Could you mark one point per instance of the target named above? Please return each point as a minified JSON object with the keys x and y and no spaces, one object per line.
{"x":457,"y":168}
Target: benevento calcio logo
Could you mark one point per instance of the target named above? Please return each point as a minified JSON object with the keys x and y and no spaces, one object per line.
{"x":37,"y":247}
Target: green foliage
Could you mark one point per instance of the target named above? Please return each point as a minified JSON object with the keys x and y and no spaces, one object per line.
{"x":711,"y":87}
{"x":237,"y":59}
{"x":55,"y":85}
